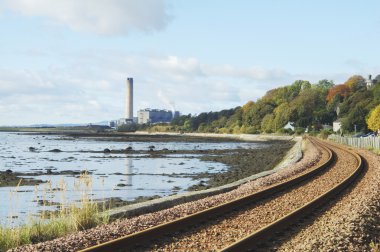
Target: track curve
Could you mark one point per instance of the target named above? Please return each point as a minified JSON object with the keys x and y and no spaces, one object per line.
{"x":247,"y":242}
{"x":257,"y":201}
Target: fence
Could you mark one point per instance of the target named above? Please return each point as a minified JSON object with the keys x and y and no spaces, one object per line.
{"x":359,"y":142}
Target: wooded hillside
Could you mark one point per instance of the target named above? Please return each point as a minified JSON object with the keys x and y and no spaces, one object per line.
{"x":307,"y":105}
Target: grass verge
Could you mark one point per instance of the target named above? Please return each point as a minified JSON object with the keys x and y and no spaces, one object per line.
{"x":67,"y":219}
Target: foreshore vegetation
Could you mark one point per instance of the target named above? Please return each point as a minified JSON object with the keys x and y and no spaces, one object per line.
{"x":48,"y":225}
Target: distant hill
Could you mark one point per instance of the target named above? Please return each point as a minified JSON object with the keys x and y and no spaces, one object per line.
{"x":47,"y":125}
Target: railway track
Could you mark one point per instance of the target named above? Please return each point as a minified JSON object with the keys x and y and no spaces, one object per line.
{"x":243,"y":223}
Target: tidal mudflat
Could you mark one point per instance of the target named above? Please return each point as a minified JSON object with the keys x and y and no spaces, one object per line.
{"x":122,"y":167}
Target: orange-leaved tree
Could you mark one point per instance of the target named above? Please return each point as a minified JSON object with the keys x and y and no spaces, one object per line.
{"x":341,"y":90}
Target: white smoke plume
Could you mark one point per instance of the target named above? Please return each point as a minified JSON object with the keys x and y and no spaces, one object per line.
{"x":164,"y":99}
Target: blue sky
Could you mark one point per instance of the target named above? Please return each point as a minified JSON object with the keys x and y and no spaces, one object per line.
{"x":66,"y":61}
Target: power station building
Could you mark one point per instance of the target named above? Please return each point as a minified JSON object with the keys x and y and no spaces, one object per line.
{"x":144,"y":115}
{"x":156,"y":116}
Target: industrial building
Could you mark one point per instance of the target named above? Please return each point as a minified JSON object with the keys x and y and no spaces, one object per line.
{"x":144,"y":115}
{"x":156,"y":116}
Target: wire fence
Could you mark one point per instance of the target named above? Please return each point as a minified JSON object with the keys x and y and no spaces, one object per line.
{"x":359,"y":142}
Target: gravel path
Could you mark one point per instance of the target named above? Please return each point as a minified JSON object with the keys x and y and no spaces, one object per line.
{"x":225,"y":230}
{"x":351,"y":223}
{"x":123,"y":227}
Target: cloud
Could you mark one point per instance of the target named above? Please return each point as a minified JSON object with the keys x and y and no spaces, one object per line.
{"x":54,"y":95}
{"x":110,"y":17}
{"x":252,"y":73}
{"x":177,"y":69}
{"x":90,"y":87}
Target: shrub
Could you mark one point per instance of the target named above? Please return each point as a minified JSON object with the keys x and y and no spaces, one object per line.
{"x":285,"y":131}
{"x":299,"y":131}
{"x":131,"y":127}
{"x":325,"y":133}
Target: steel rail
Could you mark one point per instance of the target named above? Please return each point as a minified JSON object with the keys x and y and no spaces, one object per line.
{"x":131,"y":240}
{"x":268,"y":231}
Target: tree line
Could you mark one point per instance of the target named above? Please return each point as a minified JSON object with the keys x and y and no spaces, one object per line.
{"x":307,"y":105}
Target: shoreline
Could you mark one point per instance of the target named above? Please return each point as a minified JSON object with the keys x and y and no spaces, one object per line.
{"x":291,"y":157}
{"x":239,"y":162}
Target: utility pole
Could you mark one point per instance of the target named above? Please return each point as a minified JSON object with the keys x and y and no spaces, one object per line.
{"x":355,"y":128}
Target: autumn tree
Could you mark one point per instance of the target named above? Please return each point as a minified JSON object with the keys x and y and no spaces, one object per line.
{"x":342,"y":90}
{"x":373,"y":120}
{"x":355,"y":82}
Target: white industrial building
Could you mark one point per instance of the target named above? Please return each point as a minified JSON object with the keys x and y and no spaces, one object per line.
{"x":155,"y":116}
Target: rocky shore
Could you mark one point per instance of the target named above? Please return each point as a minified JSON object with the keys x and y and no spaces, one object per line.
{"x":121,"y":227}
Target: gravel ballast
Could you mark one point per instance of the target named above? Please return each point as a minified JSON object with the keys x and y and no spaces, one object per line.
{"x":222,"y":231}
{"x":351,"y":222}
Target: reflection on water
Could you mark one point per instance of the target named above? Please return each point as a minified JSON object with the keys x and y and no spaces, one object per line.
{"x":128,"y":170}
{"x":124,"y":176}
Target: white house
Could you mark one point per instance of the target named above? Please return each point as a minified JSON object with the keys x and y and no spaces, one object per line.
{"x":337,"y":125}
{"x":369,"y":82}
{"x":289,"y":125}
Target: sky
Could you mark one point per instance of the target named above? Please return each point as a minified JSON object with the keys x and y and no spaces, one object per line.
{"x":67,"y":61}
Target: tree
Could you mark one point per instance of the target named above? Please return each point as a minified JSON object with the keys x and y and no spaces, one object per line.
{"x":373,"y":120}
{"x":130,"y":127}
{"x":303,"y":107}
{"x":180,"y":120}
{"x":376,"y":93}
{"x":377,"y":78}
{"x":324,"y":84}
{"x":267,"y":124}
{"x":247,"y":113}
{"x":187,"y":125}
{"x":355,"y":82}
{"x":342,"y":90}
{"x":282,"y":115}
{"x":356,"y":116}
{"x":355,"y":108}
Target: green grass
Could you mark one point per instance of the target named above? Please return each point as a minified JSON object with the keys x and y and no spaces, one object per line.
{"x":75,"y":219}
{"x":50,"y":225}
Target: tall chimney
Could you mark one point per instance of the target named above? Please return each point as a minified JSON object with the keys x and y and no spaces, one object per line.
{"x":129,"y":99}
